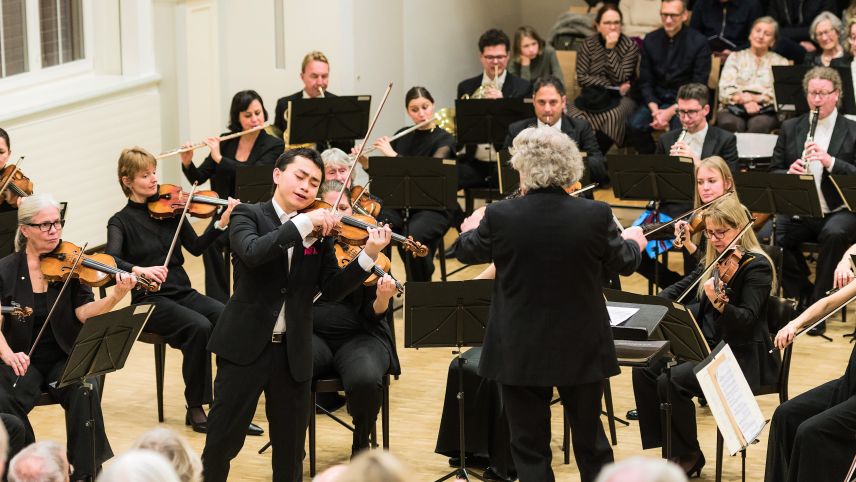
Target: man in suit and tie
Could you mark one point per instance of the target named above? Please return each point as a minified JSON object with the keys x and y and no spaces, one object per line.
{"x":548,"y":95}
{"x":477,"y":166}
{"x":830,"y":153}
{"x":263,"y":339}
{"x":315,"y":75}
{"x":702,"y":140}
{"x":548,"y":328}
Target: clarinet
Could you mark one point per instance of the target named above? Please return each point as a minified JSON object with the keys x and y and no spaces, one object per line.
{"x":813,"y":117}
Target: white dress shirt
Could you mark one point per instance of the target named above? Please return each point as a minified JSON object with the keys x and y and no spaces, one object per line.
{"x":305,"y":228}
{"x":557,"y":125}
{"x":695,"y":142}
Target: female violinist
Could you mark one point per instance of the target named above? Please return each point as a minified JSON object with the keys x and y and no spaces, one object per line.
{"x":734,"y":314}
{"x":21,"y":279}
{"x":425,"y":225}
{"x":254,"y":149}
{"x":11,"y":201}
{"x":352,"y":340}
{"x":140,"y":244}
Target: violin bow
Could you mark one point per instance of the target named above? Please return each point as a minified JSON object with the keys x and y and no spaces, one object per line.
{"x":688,"y":213}
{"x":821,"y":320}
{"x":53,"y":308}
{"x":180,"y":222}
{"x":717,"y":260}
{"x":362,"y":145}
{"x":11,"y":175}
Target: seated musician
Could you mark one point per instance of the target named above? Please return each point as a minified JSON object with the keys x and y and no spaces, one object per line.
{"x":548,"y":95}
{"x":425,"y":225}
{"x":254,"y":149}
{"x":140,"y":244}
{"x":22,"y":281}
{"x":811,"y":435}
{"x":831,"y":152}
{"x":315,"y":75}
{"x":5,"y":153}
{"x":336,"y":166}
{"x":477,"y":167}
{"x":352,"y":340}
{"x":737,"y":318}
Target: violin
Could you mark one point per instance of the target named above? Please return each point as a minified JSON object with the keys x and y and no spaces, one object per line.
{"x":16,"y":184}
{"x":16,"y":310}
{"x":171,"y":199}
{"x":695,"y":223}
{"x":346,"y":253}
{"x":724,"y":272}
{"x":353,"y":230}
{"x":94,"y":269}
{"x":363,"y":202}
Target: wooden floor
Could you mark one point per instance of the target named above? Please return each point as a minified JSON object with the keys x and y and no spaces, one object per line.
{"x":416,"y":403}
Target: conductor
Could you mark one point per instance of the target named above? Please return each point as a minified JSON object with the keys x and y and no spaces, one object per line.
{"x":548,"y":320}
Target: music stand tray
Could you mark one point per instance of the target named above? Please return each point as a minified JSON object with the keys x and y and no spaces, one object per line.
{"x":846,"y":187}
{"x":415,"y":182}
{"x":780,"y":193}
{"x":787,"y":85}
{"x":342,"y":118}
{"x":641,"y":325}
{"x":652,"y":176}
{"x":481,"y":121}
{"x":254,"y":184}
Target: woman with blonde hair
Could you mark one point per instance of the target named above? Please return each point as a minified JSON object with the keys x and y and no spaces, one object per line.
{"x":186,"y":462}
{"x":734,"y":313}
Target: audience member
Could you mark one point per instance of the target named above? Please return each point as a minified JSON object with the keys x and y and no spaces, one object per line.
{"x":139,"y":465}
{"x":40,"y":462}
{"x":642,"y":469}
{"x":175,"y":449}
{"x":825,"y":31}
{"x":531,"y":57}
{"x":794,"y":20}
{"x":374,"y":466}
{"x":726,"y":23}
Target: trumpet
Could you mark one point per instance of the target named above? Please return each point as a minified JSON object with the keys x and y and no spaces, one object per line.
{"x":202,"y":144}
{"x":813,"y":117}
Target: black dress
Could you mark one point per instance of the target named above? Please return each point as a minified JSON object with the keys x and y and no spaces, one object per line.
{"x":354,"y":343}
{"x":49,"y":360}
{"x":182,"y":316}
{"x":265,"y":151}
{"x":425,"y":225}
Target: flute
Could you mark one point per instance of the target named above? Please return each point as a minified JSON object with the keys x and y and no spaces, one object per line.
{"x":403,"y":133}
{"x":202,"y":144}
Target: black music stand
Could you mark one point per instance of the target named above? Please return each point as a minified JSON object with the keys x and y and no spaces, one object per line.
{"x":449,"y":314}
{"x":480,"y":121}
{"x":328,"y":119}
{"x":642,"y":324}
{"x":787,"y":85}
{"x":254,"y":184}
{"x":655,"y":177}
{"x":415,"y":183}
{"x":846,"y":187}
{"x":779,"y":193}
{"x":102,"y":347}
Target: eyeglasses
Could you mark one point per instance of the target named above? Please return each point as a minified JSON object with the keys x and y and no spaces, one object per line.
{"x":717,"y":234}
{"x":688,"y":113}
{"x":47,"y":225}
{"x":673,"y":16}
{"x":821,"y":93}
{"x":824,"y":33}
{"x":494,"y":58}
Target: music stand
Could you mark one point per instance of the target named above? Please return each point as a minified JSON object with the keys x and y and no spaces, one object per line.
{"x":779,"y":193}
{"x":448,"y":314}
{"x":486,"y":121}
{"x":846,"y":187}
{"x":102,"y":347}
{"x":787,"y":85}
{"x":328,"y":119}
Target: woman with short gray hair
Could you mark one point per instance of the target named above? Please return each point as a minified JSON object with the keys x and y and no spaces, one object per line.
{"x":826,"y":31}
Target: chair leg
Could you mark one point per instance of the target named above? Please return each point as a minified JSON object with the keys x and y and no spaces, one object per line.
{"x":312,"y":436}
{"x":384,"y":417}
{"x":160,"y":363}
{"x":719,"y":443}
{"x":566,"y":436}
{"x":441,"y":253}
{"x":610,"y":414}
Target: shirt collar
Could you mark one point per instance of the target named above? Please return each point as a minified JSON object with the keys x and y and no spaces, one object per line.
{"x":307,"y":96}
{"x":280,"y":213}
{"x":829,"y":121}
{"x":702,"y":133}
{"x":557,"y":125}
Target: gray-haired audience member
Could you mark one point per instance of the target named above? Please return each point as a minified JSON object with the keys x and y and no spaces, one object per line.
{"x":40,"y":462}
{"x":139,"y":465}
{"x":186,"y":462}
{"x":642,"y":469}
{"x":374,"y":466}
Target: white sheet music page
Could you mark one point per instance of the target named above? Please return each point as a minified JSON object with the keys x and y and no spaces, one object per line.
{"x":620,"y":314}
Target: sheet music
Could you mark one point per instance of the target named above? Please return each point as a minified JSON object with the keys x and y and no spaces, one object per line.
{"x":620,"y":314}
{"x":746,"y":411}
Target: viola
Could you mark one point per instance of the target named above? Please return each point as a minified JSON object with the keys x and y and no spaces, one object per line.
{"x":725,"y":270}
{"x":346,"y":253}
{"x":16,"y":310}
{"x":171,"y":200}
{"x":353,"y":230}
{"x":363,"y":202}
{"x":695,"y":223}
{"x":94,"y":269}
{"x":17,"y":185}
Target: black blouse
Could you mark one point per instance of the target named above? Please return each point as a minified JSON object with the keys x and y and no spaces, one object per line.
{"x":15,"y":285}
{"x":265,"y":151}
{"x":134,"y":238}
{"x":425,"y":143}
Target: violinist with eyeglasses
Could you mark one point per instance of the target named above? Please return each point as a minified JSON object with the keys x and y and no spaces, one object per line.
{"x":24,"y":377}
{"x":729,"y":303}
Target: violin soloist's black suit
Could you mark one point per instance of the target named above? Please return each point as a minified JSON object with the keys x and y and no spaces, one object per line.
{"x":248,"y":362}
{"x":836,"y":231}
{"x":279,"y":121}
{"x":717,"y":142}
{"x":580,"y":131}
{"x":546,"y":328}
{"x":742,"y":324}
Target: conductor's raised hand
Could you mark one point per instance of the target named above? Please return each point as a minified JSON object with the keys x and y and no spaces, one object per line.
{"x":472,"y":221}
{"x":323,"y":220}
{"x":378,"y":239}
{"x":634,"y":233}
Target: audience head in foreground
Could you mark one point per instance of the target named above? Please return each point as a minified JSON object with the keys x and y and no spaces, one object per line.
{"x":139,"y":466}
{"x":175,"y":449}
{"x":641,"y":469}
{"x":373,"y":466}
{"x":40,"y":462}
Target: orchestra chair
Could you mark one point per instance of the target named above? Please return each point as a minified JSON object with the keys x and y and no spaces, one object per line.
{"x":754,"y":151}
{"x":779,"y":312}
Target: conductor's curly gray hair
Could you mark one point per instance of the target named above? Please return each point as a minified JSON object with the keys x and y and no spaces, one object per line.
{"x":545,"y":157}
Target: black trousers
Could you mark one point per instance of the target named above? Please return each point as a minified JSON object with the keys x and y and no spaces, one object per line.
{"x":427,"y":227}
{"x":17,"y":432}
{"x":528,"y":410}
{"x":812,"y":437}
{"x":237,"y":389}
{"x":19,"y":401}
{"x":214,"y":260}
{"x":650,"y":387}
{"x":835,"y":233}
{"x":186,"y":324}
{"x":361,"y":362}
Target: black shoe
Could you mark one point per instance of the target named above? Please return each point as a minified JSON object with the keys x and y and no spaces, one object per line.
{"x":818,"y":330}
{"x":450,"y":251}
{"x":490,"y":474}
{"x":329,"y":401}
{"x":199,"y":424}
{"x":633,"y":414}
{"x":472,"y":461}
{"x":255,"y":430}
